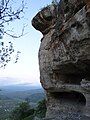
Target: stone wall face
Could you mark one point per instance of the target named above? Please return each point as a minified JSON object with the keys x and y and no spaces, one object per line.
{"x":64,"y":59}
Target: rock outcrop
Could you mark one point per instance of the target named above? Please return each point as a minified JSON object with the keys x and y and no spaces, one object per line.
{"x":64,"y":58}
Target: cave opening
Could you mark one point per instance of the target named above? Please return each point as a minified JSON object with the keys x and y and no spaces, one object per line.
{"x":70,"y":97}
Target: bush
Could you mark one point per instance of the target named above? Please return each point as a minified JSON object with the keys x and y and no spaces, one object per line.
{"x":41,"y":109}
{"x":25,"y":112}
{"x":31,"y":117}
{"x":22,"y":111}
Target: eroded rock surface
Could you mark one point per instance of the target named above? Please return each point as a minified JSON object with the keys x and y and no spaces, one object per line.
{"x":64,"y":59}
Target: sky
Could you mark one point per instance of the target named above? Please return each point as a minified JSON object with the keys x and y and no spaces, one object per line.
{"x":26,"y":70}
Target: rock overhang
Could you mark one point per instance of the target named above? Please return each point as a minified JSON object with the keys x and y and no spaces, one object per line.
{"x":44,"y":19}
{"x":64,"y":56}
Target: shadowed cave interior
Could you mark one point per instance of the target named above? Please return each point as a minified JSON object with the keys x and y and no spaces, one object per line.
{"x":72,"y":97}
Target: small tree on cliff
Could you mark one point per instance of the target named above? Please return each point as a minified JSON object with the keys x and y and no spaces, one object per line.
{"x":8,"y":14}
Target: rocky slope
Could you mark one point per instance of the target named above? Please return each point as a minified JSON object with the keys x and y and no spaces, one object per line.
{"x":64,"y":58}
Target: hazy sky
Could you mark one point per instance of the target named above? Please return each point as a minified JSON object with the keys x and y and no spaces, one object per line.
{"x":27,"y":69}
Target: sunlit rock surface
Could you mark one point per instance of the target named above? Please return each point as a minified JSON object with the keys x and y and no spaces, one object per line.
{"x":64,"y":58}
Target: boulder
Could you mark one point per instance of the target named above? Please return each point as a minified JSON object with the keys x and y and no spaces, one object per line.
{"x":64,"y":59}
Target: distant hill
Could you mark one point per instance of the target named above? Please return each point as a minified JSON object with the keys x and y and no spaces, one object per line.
{"x":19,"y":87}
{"x":9,"y":99}
{"x":20,"y":94}
{"x":3,"y":97}
{"x":36,"y":97}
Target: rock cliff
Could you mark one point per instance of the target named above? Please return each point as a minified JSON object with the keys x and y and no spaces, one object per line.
{"x":64,"y":58}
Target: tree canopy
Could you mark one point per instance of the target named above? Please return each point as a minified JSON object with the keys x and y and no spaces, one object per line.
{"x":25,"y":112}
{"x":7,"y":15}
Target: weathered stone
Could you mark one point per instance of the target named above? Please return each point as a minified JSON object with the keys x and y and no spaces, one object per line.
{"x":44,"y":19}
{"x":67,"y":8}
{"x":64,"y":59}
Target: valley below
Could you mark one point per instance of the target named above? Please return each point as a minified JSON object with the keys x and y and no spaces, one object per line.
{"x":12,"y":96}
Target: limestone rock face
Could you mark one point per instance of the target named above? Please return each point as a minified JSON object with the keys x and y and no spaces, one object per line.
{"x":64,"y":59}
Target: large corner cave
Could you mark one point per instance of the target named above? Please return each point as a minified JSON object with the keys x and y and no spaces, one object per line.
{"x":70,"y":97}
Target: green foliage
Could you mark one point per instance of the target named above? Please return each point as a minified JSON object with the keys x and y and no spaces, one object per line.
{"x":41,"y":109}
{"x":36,"y":97}
{"x":31,"y":117}
{"x":22,"y":111}
{"x":6,"y":106}
{"x":10,"y":101}
{"x":25,"y":112}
